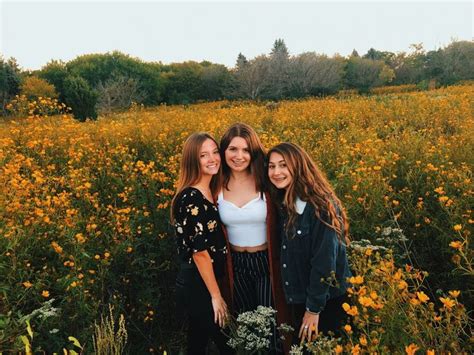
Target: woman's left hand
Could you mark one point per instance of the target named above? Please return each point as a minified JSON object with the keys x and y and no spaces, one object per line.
{"x":309,"y":326}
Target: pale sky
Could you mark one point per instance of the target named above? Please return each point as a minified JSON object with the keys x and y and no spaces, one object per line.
{"x":35,"y":31}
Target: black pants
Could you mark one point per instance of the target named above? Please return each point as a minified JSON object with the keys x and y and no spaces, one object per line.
{"x":332,"y":318}
{"x":194,"y":301}
{"x":252,"y":286}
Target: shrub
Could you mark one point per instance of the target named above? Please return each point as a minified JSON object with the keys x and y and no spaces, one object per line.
{"x":34,"y":88}
{"x":81,"y":98}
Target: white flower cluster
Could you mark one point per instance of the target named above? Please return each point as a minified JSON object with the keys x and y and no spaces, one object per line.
{"x":45,"y":311}
{"x":253,"y":330}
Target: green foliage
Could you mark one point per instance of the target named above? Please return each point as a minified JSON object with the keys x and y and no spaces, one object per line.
{"x":10,"y":81}
{"x":364,"y":74}
{"x":55,"y":73}
{"x":101,"y":68}
{"x":80,"y":97}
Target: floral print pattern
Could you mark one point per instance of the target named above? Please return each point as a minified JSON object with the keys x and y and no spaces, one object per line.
{"x":198,"y":227}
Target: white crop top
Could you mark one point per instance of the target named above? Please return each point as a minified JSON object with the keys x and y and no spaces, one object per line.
{"x":246,"y":226}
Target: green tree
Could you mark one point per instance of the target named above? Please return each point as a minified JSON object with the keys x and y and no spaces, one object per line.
{"x":241,"y":62}
{"x":364,"y":74}
{"x":10,"y":81}
{"x":80,"y":97}
{"x":216,"y":82}
{"x":183,"y":83}
{"x":458,"y":58}
{"x":55,"y":73}
{"x":278,"y":72}
{"x":99,"y":68}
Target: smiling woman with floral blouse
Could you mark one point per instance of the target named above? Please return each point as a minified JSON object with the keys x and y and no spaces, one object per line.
{"x":201,"y":244}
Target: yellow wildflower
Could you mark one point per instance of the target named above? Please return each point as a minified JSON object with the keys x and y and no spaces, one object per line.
{"x":454,"y":293}
{"x":456,"y":245}
{"x":457,"y":227}
{"x":402,"y":285}
{"x":57,"y":248}
{"x":355,"y":350}
{"x":422,"y":297}
{"x":45,"y":294}
{"x":411,"y":349}
{"x":447,"y":302}
{"x":356,"y":280}
{"x":366,"y":301}
{"x":80,"y":238}
{"x":27,"y":284}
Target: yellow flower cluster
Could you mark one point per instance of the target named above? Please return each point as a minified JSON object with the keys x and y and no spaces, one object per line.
{"x":77,"y":197}
{"x":20,"y":106}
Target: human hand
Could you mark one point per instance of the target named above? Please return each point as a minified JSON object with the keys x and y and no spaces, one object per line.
{"x":220,"y":310}
{"x":309,"y":326}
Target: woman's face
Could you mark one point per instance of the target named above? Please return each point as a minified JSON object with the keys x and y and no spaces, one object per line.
{"x":209,"y":158}
{"x":237,"y":154}
{"x":278,"y":172}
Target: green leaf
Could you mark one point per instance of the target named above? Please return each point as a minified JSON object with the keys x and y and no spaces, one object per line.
{"x":75,"y":342}
{"x":28,"y":328}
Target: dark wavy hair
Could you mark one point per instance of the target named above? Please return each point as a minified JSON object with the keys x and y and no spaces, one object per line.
{"x":310,"y":185}
{"x":257,"y":154}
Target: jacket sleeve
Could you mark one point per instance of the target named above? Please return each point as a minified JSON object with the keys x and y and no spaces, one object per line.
{"x":324,"y":249}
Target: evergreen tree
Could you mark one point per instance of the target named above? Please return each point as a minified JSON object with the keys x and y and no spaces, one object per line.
{"x":241,"y":62}
{"x":80,"y":97}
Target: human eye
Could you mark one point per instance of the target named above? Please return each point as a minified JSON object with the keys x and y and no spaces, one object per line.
{"x":271,"y":166}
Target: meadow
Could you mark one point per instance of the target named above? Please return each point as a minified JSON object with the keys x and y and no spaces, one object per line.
{"x":84,"y":217}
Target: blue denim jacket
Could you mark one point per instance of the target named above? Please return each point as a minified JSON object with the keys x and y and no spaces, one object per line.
{"x":309,"y":254}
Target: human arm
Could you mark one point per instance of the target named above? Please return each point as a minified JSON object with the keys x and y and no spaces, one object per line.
{"x":324,"y":251}
{"x":195,"y":239}
{"x":203,"y":263}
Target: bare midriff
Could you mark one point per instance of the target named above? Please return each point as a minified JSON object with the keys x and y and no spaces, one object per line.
{"x":249,"y":249}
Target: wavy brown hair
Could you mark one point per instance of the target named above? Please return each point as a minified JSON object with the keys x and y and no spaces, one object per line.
{"x":257,"y":154}
{"x":310,"y":185}
{"x":190,"y":167}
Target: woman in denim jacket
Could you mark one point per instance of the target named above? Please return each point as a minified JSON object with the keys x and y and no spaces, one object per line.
{"x":314,"y":235}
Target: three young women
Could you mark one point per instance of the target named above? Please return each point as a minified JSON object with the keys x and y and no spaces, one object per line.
{"x":201,"y":244}
{"x":302,"y":260}
{"x":313,"y":234}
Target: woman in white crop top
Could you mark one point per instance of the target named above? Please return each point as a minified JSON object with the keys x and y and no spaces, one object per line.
{"x":244,"y":211}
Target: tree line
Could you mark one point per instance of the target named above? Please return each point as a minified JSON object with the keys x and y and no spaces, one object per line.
{"x":102,"y":83}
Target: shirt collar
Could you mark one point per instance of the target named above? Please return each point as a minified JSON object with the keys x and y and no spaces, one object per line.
{"x":300,"y":205}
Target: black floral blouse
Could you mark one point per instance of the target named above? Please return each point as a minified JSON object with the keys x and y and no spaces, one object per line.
{"x":198,"y":228}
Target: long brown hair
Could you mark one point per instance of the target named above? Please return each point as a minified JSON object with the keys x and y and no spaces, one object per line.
{"x":310,"y":185}
{"x":190,"y":167}
{"x":257,"y":154}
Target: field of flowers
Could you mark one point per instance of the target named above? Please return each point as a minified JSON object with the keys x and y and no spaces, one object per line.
{"x":84,"y":216}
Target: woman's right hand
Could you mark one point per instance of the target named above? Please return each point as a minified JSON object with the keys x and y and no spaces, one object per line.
{"x":220,"y":310}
